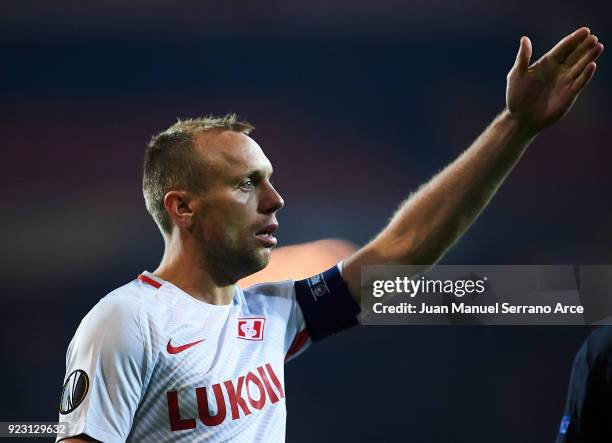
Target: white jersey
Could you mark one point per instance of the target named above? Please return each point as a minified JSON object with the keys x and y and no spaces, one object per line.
{"x":151,"y":363}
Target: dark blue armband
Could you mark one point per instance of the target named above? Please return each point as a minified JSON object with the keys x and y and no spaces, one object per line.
{"x":326,"y":303}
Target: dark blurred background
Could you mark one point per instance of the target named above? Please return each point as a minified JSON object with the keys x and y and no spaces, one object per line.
{"x":356,"y":103}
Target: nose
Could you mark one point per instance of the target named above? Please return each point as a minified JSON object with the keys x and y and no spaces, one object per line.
{"x":272,"y":201}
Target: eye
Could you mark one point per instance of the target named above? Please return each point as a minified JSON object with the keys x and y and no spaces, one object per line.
{"x":247,"y":185}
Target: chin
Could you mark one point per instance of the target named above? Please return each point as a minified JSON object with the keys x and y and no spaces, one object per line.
{"x":264,"y":258}
{"x":253,"y":263}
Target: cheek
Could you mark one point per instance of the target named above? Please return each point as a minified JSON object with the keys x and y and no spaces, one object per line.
{"x":228,"y":221}
{"x":226,"y":228}
{"x":231,"y":231}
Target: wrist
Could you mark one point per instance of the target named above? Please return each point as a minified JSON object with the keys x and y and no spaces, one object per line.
{"x":519,"y":125}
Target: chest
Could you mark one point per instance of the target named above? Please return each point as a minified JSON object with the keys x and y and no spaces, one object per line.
{"x":204,"y":349}
{"x":214,"y":370}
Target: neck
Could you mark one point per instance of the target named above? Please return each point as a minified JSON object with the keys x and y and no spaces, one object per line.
{"x":184,"y":267}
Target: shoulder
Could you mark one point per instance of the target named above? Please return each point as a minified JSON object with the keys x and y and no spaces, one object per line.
{"x":598,"y":345}
{"x":276,"y":298}
{"x":118,"y":306}
{"x":115,"y":319}
{"x":283,"y":289}
{"x":601,"y":338}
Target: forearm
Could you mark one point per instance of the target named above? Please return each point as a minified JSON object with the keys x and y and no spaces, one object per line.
{"x":433,"y":218}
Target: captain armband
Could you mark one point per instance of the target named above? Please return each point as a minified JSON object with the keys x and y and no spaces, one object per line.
{"x":326,"y":303}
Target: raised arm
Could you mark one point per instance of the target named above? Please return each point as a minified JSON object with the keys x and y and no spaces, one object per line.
{"x":433,"y":218}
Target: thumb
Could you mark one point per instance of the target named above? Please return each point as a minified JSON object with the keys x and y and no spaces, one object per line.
{"x":524,"y":55}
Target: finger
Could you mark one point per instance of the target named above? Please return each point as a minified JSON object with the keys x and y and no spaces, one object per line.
{"x":524,"y":55}
{"x":568,"y":44}
{"x":584,"y":78}
{"x":584,"y":47}
{"x":587,"y":58}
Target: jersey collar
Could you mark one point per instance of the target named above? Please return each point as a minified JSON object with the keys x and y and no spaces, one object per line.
{"x":151,"y":279}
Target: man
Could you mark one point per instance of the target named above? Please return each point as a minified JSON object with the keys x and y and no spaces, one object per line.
{"x":588,"y":409}
{"x":183,"y":354}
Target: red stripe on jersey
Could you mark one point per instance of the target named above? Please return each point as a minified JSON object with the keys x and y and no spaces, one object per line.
{"x":275,"y":380}
{"x":298,"y":343}
{"x":145,"y":279}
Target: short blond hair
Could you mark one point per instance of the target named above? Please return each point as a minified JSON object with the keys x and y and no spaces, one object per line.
{"x":171,"y":161}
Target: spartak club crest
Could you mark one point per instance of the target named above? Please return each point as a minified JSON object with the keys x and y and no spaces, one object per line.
{"x":251,"y":328}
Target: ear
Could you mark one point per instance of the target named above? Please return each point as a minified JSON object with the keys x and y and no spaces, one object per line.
{"x":177,"y":203}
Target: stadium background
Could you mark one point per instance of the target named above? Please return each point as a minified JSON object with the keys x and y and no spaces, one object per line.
{"x":356,"y":103}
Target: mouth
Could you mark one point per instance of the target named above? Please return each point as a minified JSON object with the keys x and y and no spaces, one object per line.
{"x":264,"y":235}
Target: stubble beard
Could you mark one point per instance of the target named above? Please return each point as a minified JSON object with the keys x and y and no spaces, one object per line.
{"x":230,"y":264}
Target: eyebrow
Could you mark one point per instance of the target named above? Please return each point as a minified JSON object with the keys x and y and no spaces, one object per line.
{"x":259,"y":173}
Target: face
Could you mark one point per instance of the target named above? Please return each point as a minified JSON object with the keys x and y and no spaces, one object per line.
{"x":235,"y":214}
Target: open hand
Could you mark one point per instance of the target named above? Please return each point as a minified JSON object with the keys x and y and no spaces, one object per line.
{"x":540,"y":94}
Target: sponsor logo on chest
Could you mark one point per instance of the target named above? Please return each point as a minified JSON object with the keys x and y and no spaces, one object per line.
{"x":246,"y":394}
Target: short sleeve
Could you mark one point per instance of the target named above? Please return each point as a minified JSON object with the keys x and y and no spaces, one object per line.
{"x":105,"y":367}
{"x":297,"y":337}
{"x":587,"y":411}
{"x":324,"y":306}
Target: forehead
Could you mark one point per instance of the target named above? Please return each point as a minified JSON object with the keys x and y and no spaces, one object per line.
{"x":231,"y":153}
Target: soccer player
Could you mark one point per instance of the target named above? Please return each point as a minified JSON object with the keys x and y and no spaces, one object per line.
{"x":588,"y":408}
{"x":184,"y":354}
